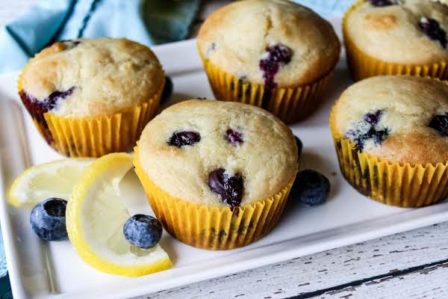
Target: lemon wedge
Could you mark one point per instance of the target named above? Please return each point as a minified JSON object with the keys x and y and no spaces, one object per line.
{"x":53,"y":179}
{"x":96,"y":213}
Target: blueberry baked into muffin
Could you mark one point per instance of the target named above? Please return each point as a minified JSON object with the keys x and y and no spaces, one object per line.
{"x":90,"y":97}
{"x":217,"y":174}
{"x":397,"y":37}
{"x":391,"y":137}
{"x":277,"y":55}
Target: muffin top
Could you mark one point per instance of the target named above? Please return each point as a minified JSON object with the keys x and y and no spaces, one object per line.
{"x":269,"y":42}
{"x":218,"y":153}
{"x":402,"y":118}
{"x":400,"y":31}
{"x":90,"y":77}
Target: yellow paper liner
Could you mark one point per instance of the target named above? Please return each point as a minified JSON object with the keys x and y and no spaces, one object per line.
{"x":211,"y":227}
{"x":99,"y":135}
{"x":362,"y":65}
{"x":392,"y":183}
{"x":290,"y":104}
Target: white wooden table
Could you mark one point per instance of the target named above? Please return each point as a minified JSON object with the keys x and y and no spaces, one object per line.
{"x":406,"y":265}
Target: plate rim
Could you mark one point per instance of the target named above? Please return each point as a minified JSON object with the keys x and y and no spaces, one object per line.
{"x":428,"y":216}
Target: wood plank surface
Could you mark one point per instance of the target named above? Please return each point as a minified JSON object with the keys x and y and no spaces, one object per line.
{"x":404,"y":265}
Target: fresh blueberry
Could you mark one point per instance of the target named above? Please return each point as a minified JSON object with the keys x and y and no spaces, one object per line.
{"x":183,"y":138}
{"x":38,"y":108}
{"x":310,"y":187}
{"x":229,"y":188}
{"x":440,"y":123}
{"x":433,"y":30}
{"x":234,"y":137}
{"x":167,"y":89}
{"x":299,"y":145}
{"x":143,"y":231}
{"x":381,"y":3}
{"x":48,"y":219}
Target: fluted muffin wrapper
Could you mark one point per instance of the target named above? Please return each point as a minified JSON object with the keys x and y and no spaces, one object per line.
{"x":98,"y":135}
{"x":211,"y":227}
{"x":392,"y":183}
{"x":362,"y":65}
{"x":290,"y":104}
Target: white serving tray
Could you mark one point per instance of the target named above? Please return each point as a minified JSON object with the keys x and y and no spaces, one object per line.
{"x":39,"y":269}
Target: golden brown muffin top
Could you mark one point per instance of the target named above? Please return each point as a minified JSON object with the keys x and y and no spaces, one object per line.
{"x":396,"y":118}
{"x":181,"y":148}
{"x":400,"y":31}
{"x":243,"y":35}
{"x":90,"y":77}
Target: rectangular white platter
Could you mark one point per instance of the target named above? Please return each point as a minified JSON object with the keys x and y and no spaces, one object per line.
{"x":38,"y":269}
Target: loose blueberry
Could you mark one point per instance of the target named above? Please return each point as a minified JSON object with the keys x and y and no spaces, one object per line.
{"x":38,"y":108}
{"x":48,"y":219}
{"x":234,"y":137}
{"x":310,"y":188}
{"x":180,"y":139}
{"x":433,"y":30}
{"x":440,"y":123}
{"x":143,"y":231}
{"x":167,"y":89}
{"x":381,"y":3}
{"x":229,"y":188}
{"x":277,"y":56}
{"x":299,"y":145}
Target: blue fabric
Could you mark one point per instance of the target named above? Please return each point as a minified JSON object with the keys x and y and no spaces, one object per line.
{"x":149,"y":22}
{"x":327,"y":8}
{"x":146,"y":21}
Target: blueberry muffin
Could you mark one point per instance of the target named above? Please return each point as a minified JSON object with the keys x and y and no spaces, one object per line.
{"x":277,"y":55}
{"x":217,"y":174}
{"x":397,"y":37}
{"x":391,"y":137}
{"x":90,"y":97}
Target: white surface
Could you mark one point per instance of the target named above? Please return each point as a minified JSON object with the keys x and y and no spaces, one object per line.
{"x":38,"y":269}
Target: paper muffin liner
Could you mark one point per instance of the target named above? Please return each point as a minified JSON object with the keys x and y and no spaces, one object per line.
{"x":290,"y":104}
{"x":362,"y":65}
{"x":98,"y":135}
{"x":212,"y":227}
{"x":393,"y":183}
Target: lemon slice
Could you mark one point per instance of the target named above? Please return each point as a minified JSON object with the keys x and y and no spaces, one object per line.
{"x":95,"y":216}
{"x":53,"y":179}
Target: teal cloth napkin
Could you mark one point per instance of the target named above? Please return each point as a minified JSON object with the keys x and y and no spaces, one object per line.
{"x":146,"y":21}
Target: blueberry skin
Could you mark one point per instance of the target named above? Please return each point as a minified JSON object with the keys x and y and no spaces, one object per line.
{"x":229,"y":188}
{"x":184,"y":138}
{"x":143,"y":231}
{"x":440,"y":124}
{"x":299,"y":144}
{"x":47,"y":219}
{"x":167,"y":90}
{"x":234,"y":137}
{"x":381,"y":3}
{"x":310,"y":188}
